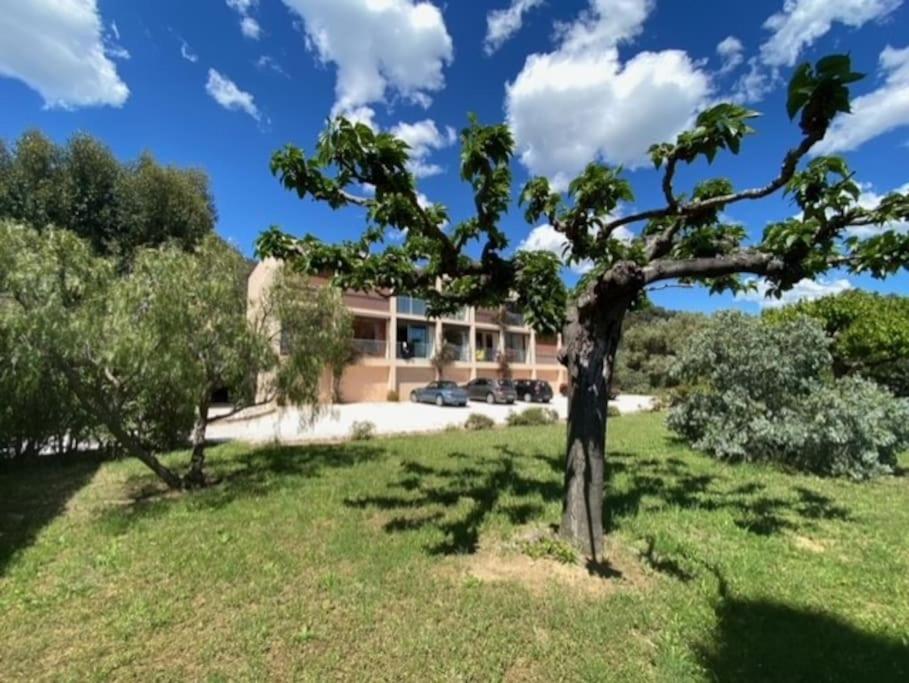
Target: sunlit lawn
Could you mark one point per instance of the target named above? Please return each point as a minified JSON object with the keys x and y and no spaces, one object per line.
{"x":362,"y":562}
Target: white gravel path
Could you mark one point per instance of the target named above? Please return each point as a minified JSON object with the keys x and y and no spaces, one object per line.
{"x":288,"y":425}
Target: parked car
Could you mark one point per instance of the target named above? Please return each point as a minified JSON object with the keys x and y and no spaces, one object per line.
{"x":532,"y":390}
{"x":491,"y":390}
{"x":441,"y":393}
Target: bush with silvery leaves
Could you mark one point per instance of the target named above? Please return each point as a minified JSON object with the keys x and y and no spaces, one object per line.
{"x":756,"y":391}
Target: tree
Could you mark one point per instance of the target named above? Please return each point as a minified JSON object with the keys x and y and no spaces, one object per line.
{"x":685,"y":239}
{"x":444,"y":356}
{"x":339,"y":350}
{"x":652,"y":339}
{"x":870,"y":334}
{"x":117,"y":207}
{"x":142,"y":352}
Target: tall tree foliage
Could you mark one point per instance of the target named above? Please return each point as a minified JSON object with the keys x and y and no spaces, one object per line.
{"x":117,"y":207}
{"x":869,"y":333}
{"x":686,"y":239}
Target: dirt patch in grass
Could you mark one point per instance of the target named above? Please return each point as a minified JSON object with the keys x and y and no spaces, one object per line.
{"x":810,"y":544}
{"x":497,"y":561}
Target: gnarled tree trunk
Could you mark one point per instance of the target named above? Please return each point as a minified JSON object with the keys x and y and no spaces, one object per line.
{"x":591,"y":339}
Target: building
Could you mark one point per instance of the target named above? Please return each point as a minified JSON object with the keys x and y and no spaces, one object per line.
{"x":396,"y":340}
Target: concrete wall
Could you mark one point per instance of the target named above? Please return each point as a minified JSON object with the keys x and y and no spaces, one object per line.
{"x":364,"y":383}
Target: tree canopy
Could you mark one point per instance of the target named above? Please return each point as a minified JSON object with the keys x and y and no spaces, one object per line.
{"x":869,"y":332}
{"x":118,"y":207}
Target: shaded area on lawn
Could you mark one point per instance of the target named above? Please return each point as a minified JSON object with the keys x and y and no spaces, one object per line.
{"x":32,"y":495}
{"x":757,"y":640}
{"x":422,"y":489}
{"x":257,"y":473}
{"x":672,"y":483}
{"x":428,"y":495}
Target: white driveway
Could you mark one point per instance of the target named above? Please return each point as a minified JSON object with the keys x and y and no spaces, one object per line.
{"x":290,"y":424}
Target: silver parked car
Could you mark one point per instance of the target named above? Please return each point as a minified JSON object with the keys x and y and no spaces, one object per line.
{"x":491,"y":390}
{"x":442,"y":393}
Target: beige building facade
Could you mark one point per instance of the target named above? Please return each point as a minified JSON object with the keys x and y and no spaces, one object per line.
{"x":396,"y":341}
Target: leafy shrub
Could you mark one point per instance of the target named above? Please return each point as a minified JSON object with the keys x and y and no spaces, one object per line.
{"x":531,"y":417}
{"x":478,"y":421}
{"x":758,"y":391}
{"x":362,"y":430}
{"x":392,"y":396}
{"x":613,"y":411}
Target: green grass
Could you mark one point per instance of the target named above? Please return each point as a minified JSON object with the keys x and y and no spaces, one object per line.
{"x":353,"y":562}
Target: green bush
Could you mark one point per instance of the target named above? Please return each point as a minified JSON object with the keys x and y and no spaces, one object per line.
{"x":613,"y":411}
{"x":532,"y":416}
{"x":362,"y":431}
{"x":478,"y":421}
{"x":758,"y":391}
{"x":392,"y":396}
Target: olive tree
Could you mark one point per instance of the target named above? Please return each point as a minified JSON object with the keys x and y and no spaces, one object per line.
{"x":685,"y":238}
{"x":142,"y":352}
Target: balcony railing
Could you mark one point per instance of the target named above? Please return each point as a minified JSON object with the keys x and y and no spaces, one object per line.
{"x":408,"y":305}
{"x":374,"y":348}
{"x":515,"y":319}
{"x":547,"y":358}
{"x":408,"y":350}
{"x":516,"y":355}
{"x":459,"y":352}
{"x":460,"y":314}
{"x":485,"y":355}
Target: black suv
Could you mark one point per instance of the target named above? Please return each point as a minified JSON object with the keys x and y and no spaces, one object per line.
{"x":532,"y":390}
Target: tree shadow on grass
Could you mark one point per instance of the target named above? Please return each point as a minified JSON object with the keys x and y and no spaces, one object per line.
{"x":431,"y":496}
{"x":758,"y":640}
{"x":255,"y":473}
{"x":32,"y":495}
{"x":670,"y":482}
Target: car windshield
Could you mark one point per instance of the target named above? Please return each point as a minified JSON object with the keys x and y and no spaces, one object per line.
{"x":507,"y":383}
{"x":447,"y":385}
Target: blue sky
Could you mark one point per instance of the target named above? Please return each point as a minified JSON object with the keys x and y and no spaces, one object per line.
{"x":222,"y":84}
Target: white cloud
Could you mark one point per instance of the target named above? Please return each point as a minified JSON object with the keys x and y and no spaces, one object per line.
{"x":869,"y":199}
{"x":501,"y":24}
{"x":802,"y":22}
{"x":803,"y":290}
{"x":268,"y":62}
{"x":581,"y":101}
{"x":187,"y":53}
{"x":380,"y":48}
{"x":875,"y":113}
{"x":226,"y":93}
{"x":730,"y":50}
{"x":424,"y":137}
{"x":115,"y":30}
{"x":56,"y":47}
{"x":547,"y":238}
{"x":249,"y":27}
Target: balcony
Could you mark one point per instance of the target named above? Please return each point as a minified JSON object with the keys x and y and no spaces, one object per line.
{"x":373,"y":348}
{"x":516,"y":355}
{"x":547,"y":358}
{"x":460,"y":314}
{"x":458,"y":352}
{"x":410,"y":350}
{"x":513,"y":318}
{"x":408,"y":305}
{"x":485,"y":355}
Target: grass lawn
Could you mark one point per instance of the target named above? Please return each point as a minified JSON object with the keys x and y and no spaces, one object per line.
{"x":399,"y":559}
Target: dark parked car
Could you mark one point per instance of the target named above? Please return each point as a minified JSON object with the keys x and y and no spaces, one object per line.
{"x":531,"y":390}
{"x":441,"y":393}
{"x":491,"y":390}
